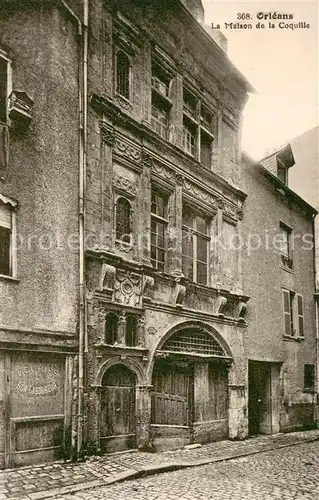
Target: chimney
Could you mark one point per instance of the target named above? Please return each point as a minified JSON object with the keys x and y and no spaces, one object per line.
{"x":195,"y":7}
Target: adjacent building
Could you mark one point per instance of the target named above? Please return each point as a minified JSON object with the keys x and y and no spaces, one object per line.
{"x":130,"y":314}
{"x":301,"y":171}
{"x":38,"y":212}
{"x":281,"y":344}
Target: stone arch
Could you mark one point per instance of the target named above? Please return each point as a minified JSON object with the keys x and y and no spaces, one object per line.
{"x":196,"y":325}
{"x":131,"y":364}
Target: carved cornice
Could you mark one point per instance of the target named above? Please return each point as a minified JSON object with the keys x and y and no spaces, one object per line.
{"x":200,"y":194}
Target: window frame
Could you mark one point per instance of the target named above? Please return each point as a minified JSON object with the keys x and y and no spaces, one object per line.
{"x":295,"y":314}
{"x":130,"y":78}
{"x":202,"y":119}
{"x":286,"y":257}
{"x":158,"y":219}
{"x":194,"y":233}
{"x":130,"y":233}
{"x":12,"y":264}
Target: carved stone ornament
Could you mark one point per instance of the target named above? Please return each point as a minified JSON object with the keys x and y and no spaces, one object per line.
{"x":107,"y":280}
{"x":124,"y":103}
{"x":107,"y":133}
{"x":242,"y":310}
{"x":127,"y":288}
{"x":179,"y":179}
{"x":148,"y":284}
{"x":123,"y":247}
{"x":199,"y":193}
{"x":128,"y":150}
{"x":147,"y":159}
{"x":180,"y":292}
{"x":124,"y":184}
{"x":221,"y":305}
{"x":163,"y":171}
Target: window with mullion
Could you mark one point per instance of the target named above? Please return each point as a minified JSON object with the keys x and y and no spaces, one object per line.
{"x":158,"y":230}
{"x":195,"y":247}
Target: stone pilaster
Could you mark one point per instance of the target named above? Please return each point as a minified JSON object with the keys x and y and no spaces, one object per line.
{"x":174,"y":251}
{"x":121,"y":328}
{"x":107,"y":142}
{"x":143,"y":416}
{"x":140,"y":340}
{"x":145,"y":209}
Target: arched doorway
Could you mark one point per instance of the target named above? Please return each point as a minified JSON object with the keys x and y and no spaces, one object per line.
{"x":117,"y":416}
{"x":190,"y":389}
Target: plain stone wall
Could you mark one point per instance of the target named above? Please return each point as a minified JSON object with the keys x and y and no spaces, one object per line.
{"x":43,"y":169}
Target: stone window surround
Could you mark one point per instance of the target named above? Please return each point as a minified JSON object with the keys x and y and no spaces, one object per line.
{"x":121,"y":332}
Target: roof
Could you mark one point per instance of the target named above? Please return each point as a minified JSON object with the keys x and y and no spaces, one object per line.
{"x":281,"y":187}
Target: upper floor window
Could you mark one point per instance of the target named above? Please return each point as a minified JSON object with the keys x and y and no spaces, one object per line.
{"x":161,"y":103}
{"x":5,"y":76}
{"x":123,"y":74}
{"x":293,"y":314}
{"x":123,"y":229}
{"x":285,"y":244}
{"x":158,"y":230}
{"x":160,"y":80}
{"x":7,"y":237}
{"x":160,"y":118}
{"x":195,"y":246}
{"x":198,"y":128}
{"x":189,"y":137}
{"x":111,"y":327}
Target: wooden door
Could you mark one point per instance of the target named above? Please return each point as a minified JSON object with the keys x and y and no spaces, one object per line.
{"x":259,"y":398}
{"x":117,"y":418}
{"x":172,"y":394}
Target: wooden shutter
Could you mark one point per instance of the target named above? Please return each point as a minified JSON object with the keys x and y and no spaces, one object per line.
{"x":287,"y":316}
{"x":300,"y":326}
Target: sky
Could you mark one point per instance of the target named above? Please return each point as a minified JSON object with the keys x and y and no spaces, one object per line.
{"x":281,"y":64}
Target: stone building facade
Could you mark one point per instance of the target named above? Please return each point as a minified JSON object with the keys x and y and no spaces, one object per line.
{"x":281,"y":342}
{"x":165,"y":304}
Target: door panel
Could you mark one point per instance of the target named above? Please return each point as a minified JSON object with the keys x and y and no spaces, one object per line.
{"x":171,"y":398}
{"x":117,"y":417}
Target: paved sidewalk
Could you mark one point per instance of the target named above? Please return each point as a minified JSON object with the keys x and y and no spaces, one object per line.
{"x":46,"y":481}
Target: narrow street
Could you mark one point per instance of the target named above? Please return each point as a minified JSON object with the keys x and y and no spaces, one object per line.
{"x":285,"y":474}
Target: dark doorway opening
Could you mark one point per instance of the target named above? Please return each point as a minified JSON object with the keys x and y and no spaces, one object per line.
{"x":259,"y":398}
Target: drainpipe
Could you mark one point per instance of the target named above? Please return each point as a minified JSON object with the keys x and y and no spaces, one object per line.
{"x":82,"y":103}
{"x":82,"y":189}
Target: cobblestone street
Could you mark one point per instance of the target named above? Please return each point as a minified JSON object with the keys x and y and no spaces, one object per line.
{"x":287,"y":473}
{"x":202,"y":468}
